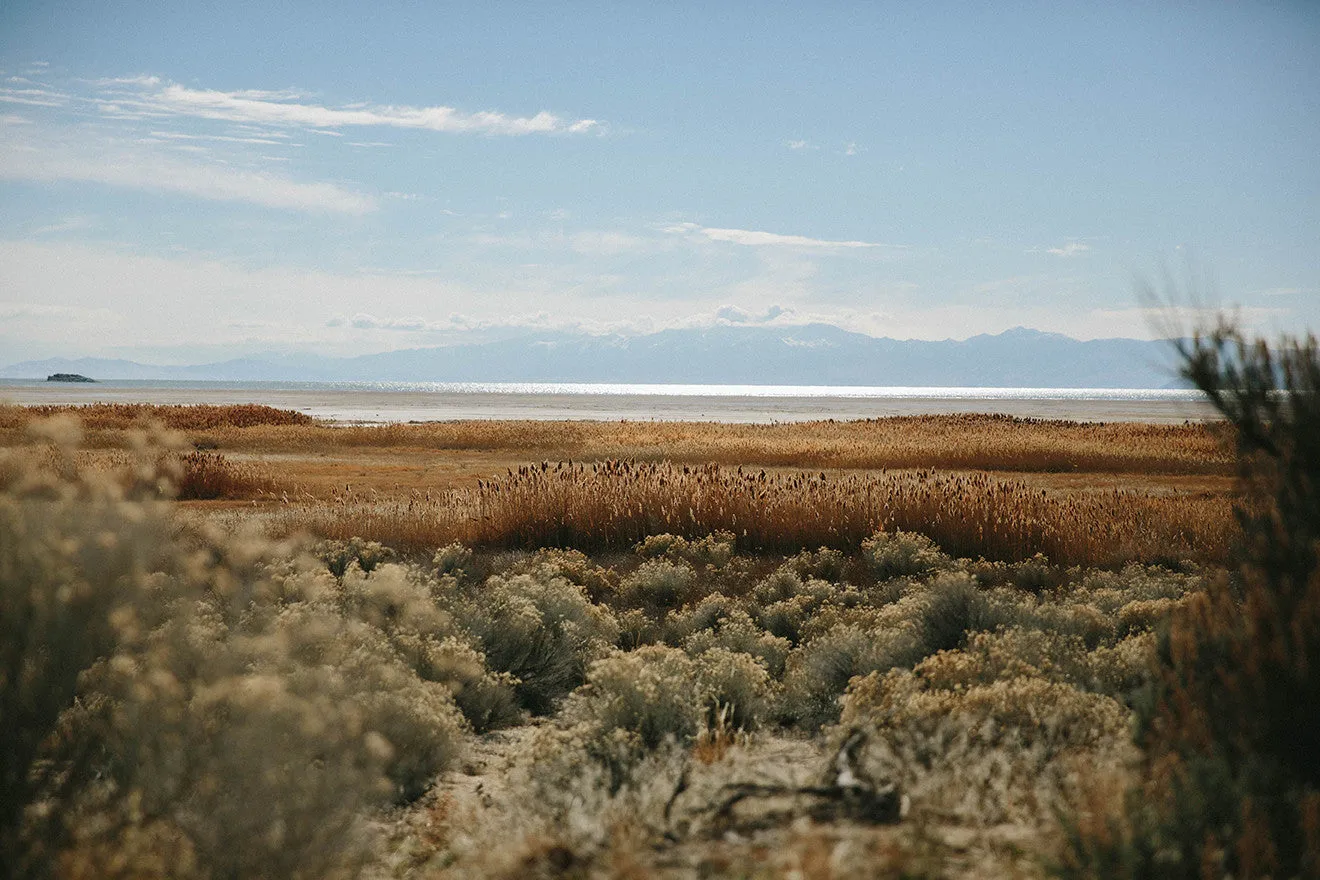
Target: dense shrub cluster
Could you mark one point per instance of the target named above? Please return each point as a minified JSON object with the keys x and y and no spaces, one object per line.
{"x":213,"y":705}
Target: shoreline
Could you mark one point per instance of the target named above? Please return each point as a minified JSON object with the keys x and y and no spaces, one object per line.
{"x":358,"y":406}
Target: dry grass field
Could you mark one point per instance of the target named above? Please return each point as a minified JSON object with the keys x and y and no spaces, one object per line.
{"x":902,"y":648}
{"x":998,"y":487}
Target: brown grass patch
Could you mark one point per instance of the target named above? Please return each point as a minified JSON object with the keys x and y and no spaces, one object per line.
{"x":962,"y":442}
{"x":957,"y":442}
{"x":612,"y":505}
{"x":211,"y":476}
{"x":104,"y":416}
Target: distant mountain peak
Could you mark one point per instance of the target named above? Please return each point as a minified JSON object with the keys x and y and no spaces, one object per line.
{"x":808,"y":354}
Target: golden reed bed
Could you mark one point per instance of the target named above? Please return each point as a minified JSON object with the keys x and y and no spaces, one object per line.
{"x":959,"y":442}
{"x":828,"y":484}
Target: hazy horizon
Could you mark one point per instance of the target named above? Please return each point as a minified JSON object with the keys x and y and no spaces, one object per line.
{"x":187,"y":184}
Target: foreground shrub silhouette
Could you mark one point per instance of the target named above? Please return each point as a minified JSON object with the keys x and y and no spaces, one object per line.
{"x":1232,"y":724}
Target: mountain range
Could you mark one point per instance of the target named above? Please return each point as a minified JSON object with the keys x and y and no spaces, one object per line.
{"x":813,"y":354}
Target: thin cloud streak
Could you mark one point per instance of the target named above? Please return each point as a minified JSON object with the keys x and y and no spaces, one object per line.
{"x":146,"y":171}
{"x":151,"y":96}
{"x":759,"y":238}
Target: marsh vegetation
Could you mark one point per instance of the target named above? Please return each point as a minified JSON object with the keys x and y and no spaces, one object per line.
{"x":898,"y":648}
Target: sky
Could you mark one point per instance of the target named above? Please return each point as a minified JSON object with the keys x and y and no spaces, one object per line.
{"x":183,"y":182}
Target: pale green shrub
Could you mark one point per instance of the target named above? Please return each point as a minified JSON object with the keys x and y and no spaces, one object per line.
{"x":487,"y":699}
{"x":707,"y":613}
{"x":658,"y":585}
{"x":574,"y":566}
{"x":984,"y":755}
{"x":231,"y":717}
{"x":1008,"y":654}
{"x":1146,"y":614}
{"x":392,"y":598}
{"x":339,"y":555}
{"x":1125,"y":667}
{"x":453,"y":559}
{"x":818,"y":673}
{"x":737,"y":687}
{"x":955,"y":606}
{"x":737,"y":632}
{"x":902,"y":554}
{"x":654,"y":693}
{"x":824,"y":564}
{"x":713,"y":550}
{"x":784,"y":583}
{"x":1029,"y":710}
{"x":541,"y":629}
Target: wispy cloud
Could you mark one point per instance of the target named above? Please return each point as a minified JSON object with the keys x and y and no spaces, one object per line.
{"x":150,"y":95}
{"x":68,"y":224}
{"x":181,"y":136}
{"x":33,"y":97}
{"x":800,"y":145}
{"x":147,"y":169}
{"x":1071,"y":249}
{"x":758,"y":238}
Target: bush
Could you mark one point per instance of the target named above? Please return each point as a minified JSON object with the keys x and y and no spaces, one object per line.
{"x":209,"y":475}
{"x":823,"y":564}
{"x":173,"y":699}
{"x":737,"y":688}
{"x":1231,"y":784}
{"x":453,"y":559}
{"x":736,"y":632}
{"x":818,"y":673}
{"x":954,"y":607}
{"x":657,"y":586}
{"x":714,"y":550}
{"x":539,"y":628}
{"x":339,"y":555}
{"x":654,"y":692}
{"x":902,"y":554}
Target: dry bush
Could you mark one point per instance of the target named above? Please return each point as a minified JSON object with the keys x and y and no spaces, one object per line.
{"x":203,"y":703}
{"x":902,"y":554}
{"x":733,"y":629}
{"x":210,"y":476}
{"x":657,"y":586}
{"x":986,"y":754}
{"x":1231,"y":781}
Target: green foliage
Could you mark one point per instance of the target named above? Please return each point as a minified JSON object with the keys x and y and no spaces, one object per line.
{"x":339,"y":555}
{"x":539,"y":628}
{"x":902,"y":554}
{"x":657,"y":586}
{"x":713,"y":550}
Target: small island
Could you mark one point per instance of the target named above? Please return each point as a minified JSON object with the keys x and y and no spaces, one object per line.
{"x":68,"y":377}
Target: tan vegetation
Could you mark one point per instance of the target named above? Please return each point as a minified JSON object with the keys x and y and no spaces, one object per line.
{"x":638,"y":667}
{"x":957,"y":442}
{"x":615,"y":504}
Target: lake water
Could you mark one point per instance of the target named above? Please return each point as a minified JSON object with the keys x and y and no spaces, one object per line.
{"x":436,"y":401}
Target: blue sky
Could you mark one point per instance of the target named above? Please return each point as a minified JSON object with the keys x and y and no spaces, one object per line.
{"x":192,"y":181}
